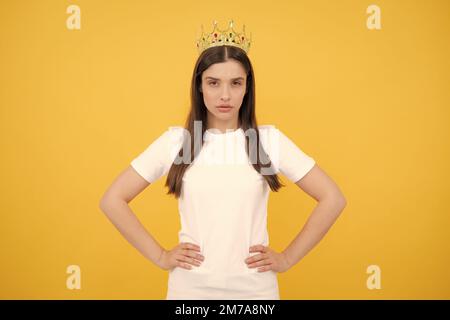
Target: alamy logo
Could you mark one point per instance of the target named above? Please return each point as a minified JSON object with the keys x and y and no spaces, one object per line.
{"x":73,"y":22}
{"x":374,"y":280}
{"x":374,"y":20}
{"x":74,"y":279}
{"x":230,"y":152}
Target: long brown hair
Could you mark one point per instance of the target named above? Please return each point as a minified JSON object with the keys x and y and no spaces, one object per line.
{"x":198,"y":112}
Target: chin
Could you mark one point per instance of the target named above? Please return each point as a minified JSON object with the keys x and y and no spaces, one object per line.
{"x":227,"y":115}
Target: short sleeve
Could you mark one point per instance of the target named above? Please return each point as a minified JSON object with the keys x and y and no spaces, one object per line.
{"x":156,"y":160}
{"x":287,"y":157}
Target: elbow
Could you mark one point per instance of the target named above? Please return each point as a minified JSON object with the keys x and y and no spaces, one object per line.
{"x":102,"y":204}
{"x":337,"y":201}
{"x":105,"y":203}
{"x":340,"y":202}
{"x":108,"y":203}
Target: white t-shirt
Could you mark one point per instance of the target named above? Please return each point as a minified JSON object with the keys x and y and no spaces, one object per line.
{"x":223,"y":209}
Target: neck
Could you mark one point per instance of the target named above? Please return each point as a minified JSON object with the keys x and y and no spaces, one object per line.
{"x":223,"y":126}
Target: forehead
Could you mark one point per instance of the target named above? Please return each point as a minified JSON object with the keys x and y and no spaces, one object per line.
{"x":225,"y":70}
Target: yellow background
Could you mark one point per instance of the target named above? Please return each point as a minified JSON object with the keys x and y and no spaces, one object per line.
{"x":371,"y":106}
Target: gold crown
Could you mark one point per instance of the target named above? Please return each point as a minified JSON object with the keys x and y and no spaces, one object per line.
{"x":223,"y":37}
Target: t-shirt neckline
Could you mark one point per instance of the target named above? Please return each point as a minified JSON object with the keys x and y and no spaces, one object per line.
{"x":218,"y":134}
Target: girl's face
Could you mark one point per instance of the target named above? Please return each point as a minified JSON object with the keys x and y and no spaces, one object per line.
{"x":224,"y":84}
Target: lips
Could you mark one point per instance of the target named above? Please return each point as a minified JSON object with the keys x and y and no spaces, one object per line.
{"x":224,"y":108}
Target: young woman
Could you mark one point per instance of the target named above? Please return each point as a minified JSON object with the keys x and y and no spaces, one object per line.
{"x":223,"y":250}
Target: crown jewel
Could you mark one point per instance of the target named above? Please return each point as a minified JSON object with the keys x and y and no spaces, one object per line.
{"x":223,"y":37}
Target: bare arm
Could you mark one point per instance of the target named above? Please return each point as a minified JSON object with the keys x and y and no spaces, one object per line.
{"x":114,"y":204}
{"x":331,"y":202}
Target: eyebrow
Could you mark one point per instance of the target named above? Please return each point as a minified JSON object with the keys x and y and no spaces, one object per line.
{"x":212,"y":78}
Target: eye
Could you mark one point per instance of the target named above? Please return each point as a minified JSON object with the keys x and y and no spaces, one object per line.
{"x":215,"y":82}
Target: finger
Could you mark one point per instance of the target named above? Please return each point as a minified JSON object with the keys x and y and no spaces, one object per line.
{"x":258,"y":247}
{"x":191,"y":246}
{"x":189,"y":260}
{"x":185,"y":261}
{"x":180,"y":263}
{"x":183,"y":265}
{"x":192,"y":261}
{"x":264,"y":263}
{"x":265,"y":268}
{"x":195,"y":255}
{"x":191,"y":253}
{"x":256,"y":257}
{"x":259,"y":263}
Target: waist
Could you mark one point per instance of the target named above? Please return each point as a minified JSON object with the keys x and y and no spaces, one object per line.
{"x":225,"y":255}
{"x":234,"y":283}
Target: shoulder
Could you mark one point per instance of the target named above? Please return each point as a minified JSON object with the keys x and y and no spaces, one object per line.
{"x":266,"y":129}
{"x":176,"y":127}
{"x":175,"y":132}
{"x":268,"y":136}
{"x":172,"y":136}
{"x":266,"y":126}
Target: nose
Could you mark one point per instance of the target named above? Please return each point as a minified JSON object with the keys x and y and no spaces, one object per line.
{"x":225,"y":93}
